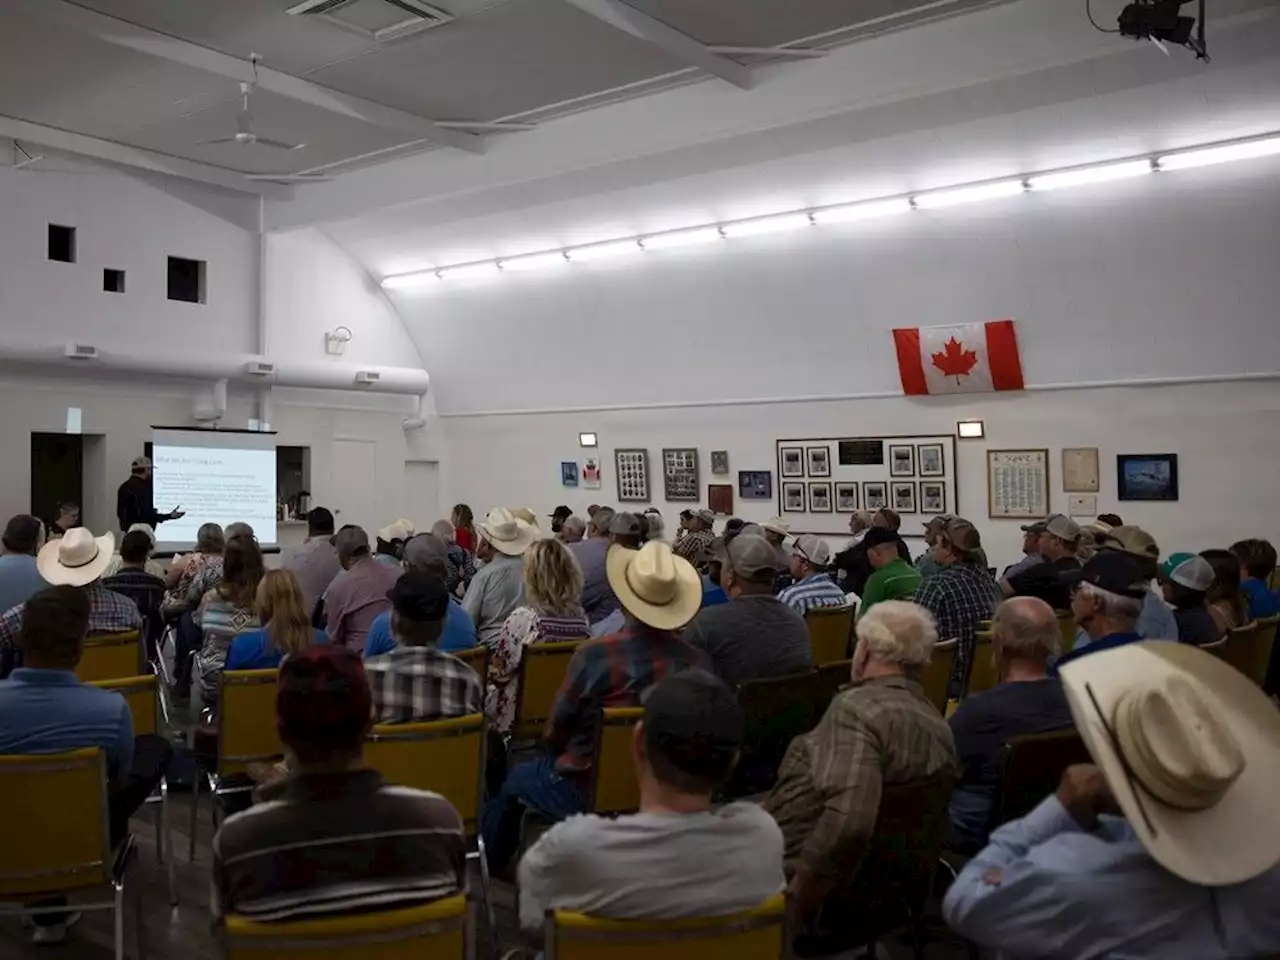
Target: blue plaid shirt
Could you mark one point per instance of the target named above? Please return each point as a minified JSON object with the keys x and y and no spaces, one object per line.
{"x":815,"y":590}
{"x":109,"y":612}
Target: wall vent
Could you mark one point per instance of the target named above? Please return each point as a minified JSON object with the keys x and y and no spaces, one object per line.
{"x":379,"y":20}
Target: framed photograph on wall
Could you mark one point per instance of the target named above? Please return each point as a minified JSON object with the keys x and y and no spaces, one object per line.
{"x":792,"y":461}
{"x":902,"y":460}
{"x":875,"y":494}
{"x":933,"y":497}
{"x":680,"y":473}
{"x":568,"y":473}
{"x":819,"y":461}
{"x":1018,"y":484}
{"x":719,"y":462}
{"x":904,"y":497}
{"x":720,"y":498}
{"x":819,"y":498}
{"x":793,"y":498}
{"x":632,"y":467}
{"x":755,"y":484}
{"x":846,"y":497}
{"x":1147,"y":476}
{"x":931,"y":460}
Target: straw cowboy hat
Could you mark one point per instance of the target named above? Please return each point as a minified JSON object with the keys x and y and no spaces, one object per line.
{"x":507,"y":533}
{"x":654,"y":585}
{"x":1190,"y":747}
{"x":402,"y":529}
{"x":528,"y":516}
{"x":75,"y":559}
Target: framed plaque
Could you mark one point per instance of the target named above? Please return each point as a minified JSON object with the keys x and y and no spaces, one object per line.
{"x":1018,"y":484}
{"x":1080,"y":469}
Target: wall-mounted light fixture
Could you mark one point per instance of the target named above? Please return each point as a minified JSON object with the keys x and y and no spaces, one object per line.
{"x":971,"y":430}
{"x":587,"y":440}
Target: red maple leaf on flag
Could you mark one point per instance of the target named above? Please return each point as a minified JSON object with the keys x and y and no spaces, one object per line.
{"x":953,"y":360}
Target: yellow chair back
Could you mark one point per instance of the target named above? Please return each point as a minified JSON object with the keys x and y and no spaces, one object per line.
{"x":542,"y":669}
{"x":757,"y":934}
{"x":477,"y":658}
{"x":1248,"y":648}
{"x":982,"y":672}
{"x":616,"y":789}
{"x":1068,"y":630}
{"x":247,"y":720}
{"x":56,"y":809}
{"x":110,"y":656}
{"x":437,"y":930}
{"x":444,"y":756}
{"x":829,"y":633}
{"x":141,"y":694}
{"x":937,"y":672}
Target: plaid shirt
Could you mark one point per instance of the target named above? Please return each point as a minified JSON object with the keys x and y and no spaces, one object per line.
{"x":959,"y":596}
{"x":827,"y":799}
{"x":611,"y":671}
{"x":416,"y":684}
{"x":147,"y":593}
{"x":695,"y":546}
{"x":108,"y":613}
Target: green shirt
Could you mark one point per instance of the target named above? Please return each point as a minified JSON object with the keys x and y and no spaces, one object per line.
{"x":896,"y":580}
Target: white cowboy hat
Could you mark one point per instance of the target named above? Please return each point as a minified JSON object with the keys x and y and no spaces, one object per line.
{"x":507,"y":533}
{"x":400,"y":530}
{"x":528,"y":516}
{"x":1190,"y":748}
{"x":75,"y":559}
{"x":654,"y":585}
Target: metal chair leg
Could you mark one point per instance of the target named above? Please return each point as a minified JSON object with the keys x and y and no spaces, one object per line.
{"x":119,"y":918}
{"x":166,"y":821}
{"x":486,"y":894}
{"x":195,"y":812}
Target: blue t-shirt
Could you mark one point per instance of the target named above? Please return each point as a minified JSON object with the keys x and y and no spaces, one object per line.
{"x":712,"y":594}
{"x":1262,"y":601}
{"x":252,"y":650}
{"x":50,"y":711}
{"x":19,"y":579}
{"x":459,"y":632}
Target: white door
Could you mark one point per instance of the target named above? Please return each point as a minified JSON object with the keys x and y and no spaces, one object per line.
{"x":422,"y":493}
{"x":354,"y":484}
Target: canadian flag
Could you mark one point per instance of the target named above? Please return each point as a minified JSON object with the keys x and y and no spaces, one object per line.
{"x":968,"y":358}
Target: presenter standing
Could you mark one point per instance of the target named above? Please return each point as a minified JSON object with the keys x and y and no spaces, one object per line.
{"x":134,"y":499}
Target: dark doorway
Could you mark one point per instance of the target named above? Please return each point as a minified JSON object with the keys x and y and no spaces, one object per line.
{"x":57,"y":472}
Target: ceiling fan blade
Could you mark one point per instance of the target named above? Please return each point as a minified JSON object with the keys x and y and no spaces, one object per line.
{"x":206,"y":143}
{"x":279,"y":144}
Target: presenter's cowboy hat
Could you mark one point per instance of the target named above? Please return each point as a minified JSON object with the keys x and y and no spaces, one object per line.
{"x":1190,"y":748}
{"x":75,"y":559}
{"x":654,"y":585}
{"x":507,"y":533}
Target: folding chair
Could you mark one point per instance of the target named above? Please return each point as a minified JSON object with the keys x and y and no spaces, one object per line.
{"x":776,"y":711}
{"x":142,"y":696}
{"x":1068,"y":630}
{"x":761,"y":933}
{"x":982,"y":671}
{"x":542,"y":670}
{"x":614,"y":788}
{"x":831,"y":677}
{"x":937,"y":673}
{"x":446,"y":757}
{"x":110,"y":656}
{"x":1243,"y":651}
{"x":59,"y":842}
{"x":829,"y":629}
{"x":246,"y":734}
{"x":477,"y":658}
{"x":436,"y":930}
{"x":1033,"y":765}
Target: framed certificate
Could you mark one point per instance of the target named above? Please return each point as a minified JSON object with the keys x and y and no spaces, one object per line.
{"x":1080,"y":469}
{"x":1018,"y":484}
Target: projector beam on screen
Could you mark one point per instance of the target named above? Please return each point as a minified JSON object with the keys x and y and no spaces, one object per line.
{"x":213,"y":476}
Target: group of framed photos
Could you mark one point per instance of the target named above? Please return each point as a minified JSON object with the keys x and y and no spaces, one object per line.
{"x":905,"y":460}
{"x":902,"y":496}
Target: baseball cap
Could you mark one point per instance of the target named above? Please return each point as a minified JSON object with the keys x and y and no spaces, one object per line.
{"x":693,"y":721}
{"x":938,"y":522}
{"x":419,"y":597}
{"x":1130,"y":539}
{"x":625,"y":525}
{"x":1034,"y":528}
{"x":322,"y":698}
{"x":1113,"y":571}
{"x":777,"y":525}
{"x":963,"y":535}
{"x":351,"y":541}
{"x":561,"y":512}
{"x":813,"y":549}
{"x":751,"y":556}
{"x":1188,"y":569}
{"x":878,"y":536}
{"x":1061,"y":526}
{"x":705,"y":514}
{"x":140,"y":462}
{"x":425,"y":547}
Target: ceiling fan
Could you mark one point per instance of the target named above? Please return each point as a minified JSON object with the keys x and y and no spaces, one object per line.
{"x":244,"y":121}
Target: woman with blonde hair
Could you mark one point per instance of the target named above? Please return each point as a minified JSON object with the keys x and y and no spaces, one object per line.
{"x":552,"y":611}
{"x":286,"y":627}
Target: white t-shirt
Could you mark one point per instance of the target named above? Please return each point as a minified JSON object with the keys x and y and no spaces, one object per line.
{"x":654,"y":866}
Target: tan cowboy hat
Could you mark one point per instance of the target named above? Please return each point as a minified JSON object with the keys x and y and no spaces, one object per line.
{"x":528,"y":516}
{"x":507,"y":533}
{"x":654,"y":585}
{"x":1190,"y":748}
{"x":75,"y":559}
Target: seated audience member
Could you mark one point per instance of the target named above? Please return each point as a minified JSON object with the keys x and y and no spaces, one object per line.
{"x":75,"y":560}
{"x":185,"y":569}
{"x":811,"y":586}
{"x":1030,"y":550}
{"x":1258,"y":561}
{"x":558,"y":516}
{"x":894,"y":578}
{"x":962,"y":594}
{"x":660,"y":593}
{"x":1058,"y":546}
{"x":1186,"y":580}
{"x":1110,"y":519}
{"x":464,"y":529}
{"x":133,"y":579}
{"x":695,"y":545}
{"x":498,"y":587}
{"x":312,"y":851}
{"x":417,"y":681}
{"x":657,"y":526}
{"x":598,"y":598}
{"x":1187,"y":753}
{"x":358,"y":594}
{"x":676,"y":857}
{"x":315,"y":563}
{"x":212,"y":573}
{"x":391,"y":540}
{"x":19,"y":578}
{"x":286,"y":627}
{"x":67,"y":518}
{"x":426,"y":553}
{"x":1156,"y":622}
{"x":1027,"y":700}
{"x":928,"y":564}
{"x":1106,"y":602}
{"x":755,"y":634}
{"x":1226,"y":599}
{"x":45,"y":709}
{"x":459,"y":565}
{"x":880,"y":731}
{"x":572,"y":530}
{"x":153,"y":567}
{"x":227,"y":611}
{"x":776,"y":530}
{"x":551,"y":612}
{"x":851,"y":563}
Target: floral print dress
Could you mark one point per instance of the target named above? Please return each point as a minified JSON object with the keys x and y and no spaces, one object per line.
{"x":523,"y":626}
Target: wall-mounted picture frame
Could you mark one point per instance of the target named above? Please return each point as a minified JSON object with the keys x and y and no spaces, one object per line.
{"x":904,"y":497}
{"x":720,"y":498}
{"x":1080,"y":469}
{"x":875,"y":494}
{"x":930,"y":460}
{"x":1018,"y":484}
{"x":680,"y":473}
{"x":1147,"y":476}
{"x":793,"y":498}
{"x":933,"y":497}
{"x":632,"y":467}
{"x":568,"y":473}
{"x":755,"y":484}
{"x":819,"y":461}
{"x":719,"y":462}
{"x":846,"y":497}
{"x":591,"y":474}
{"x":902,"y":460}
{"x":792,"y":461}
{"x":819,"y":498}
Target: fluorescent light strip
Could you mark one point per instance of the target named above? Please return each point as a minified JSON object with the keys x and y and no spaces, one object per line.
{"x":845,"y":213}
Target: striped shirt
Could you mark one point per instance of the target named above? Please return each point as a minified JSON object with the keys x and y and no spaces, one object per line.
{"x":337,"y":843}
{"x":417,"y":684}
{"x":815,"y":590}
